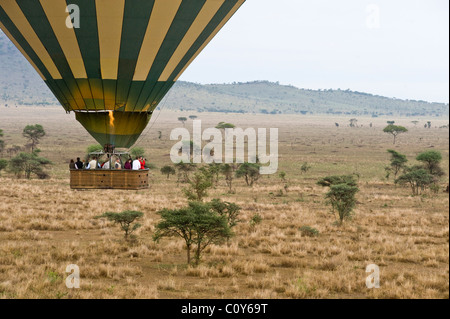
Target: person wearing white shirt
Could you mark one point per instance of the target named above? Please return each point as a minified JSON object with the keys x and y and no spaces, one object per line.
{"x":106,"y":165}
{"x":93,"y":163}
{"x":136,"y":164}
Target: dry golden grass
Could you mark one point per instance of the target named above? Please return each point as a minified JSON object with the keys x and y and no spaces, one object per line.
{"x":45,"y":226}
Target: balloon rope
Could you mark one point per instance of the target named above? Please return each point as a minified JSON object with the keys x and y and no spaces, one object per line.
{"x":156,"y":119}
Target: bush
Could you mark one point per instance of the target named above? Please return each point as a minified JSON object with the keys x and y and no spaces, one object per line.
{"x":125,"y":219}
{"x":168,"y":170}
{"x":249,"y":171}
{"x":229,"y":210}
{"x":3,"y":164}
{"x":309,"y":231}
{"x":198,"y":224}
{"x":431,"y":161}
{"x":342,"y":199}
{"x":198,"y":186}
{"x":305,"y":167}
{"x":255,"y":220}
{"x":28,"y":164}
{"x":417,"y":178}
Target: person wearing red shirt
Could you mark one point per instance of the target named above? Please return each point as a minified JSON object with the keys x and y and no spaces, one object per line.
{"x":142,"y":161}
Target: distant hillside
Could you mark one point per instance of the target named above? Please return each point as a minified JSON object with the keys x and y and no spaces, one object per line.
{"x":21,"y":85}
{"x":267,"y":97}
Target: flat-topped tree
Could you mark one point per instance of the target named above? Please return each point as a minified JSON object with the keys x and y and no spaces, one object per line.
{"x":223,"y":125}
{"x":182,"y":119}
{"x":417,"y":177}
{"x":168,"y":170}
{"x":198,"y":224}
{"x":395,"y":130}
{"x":126,"y":220}
{"x":34,"y":133}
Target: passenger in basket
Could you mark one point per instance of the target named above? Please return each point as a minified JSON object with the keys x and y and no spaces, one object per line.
{"x":128,"y":164}
{"x":142,"y":162}
{"x":106,"y":165}
{"x":93,"y":163}
{"x":79,"y":164}
{"x":118,"y":165}
{"x":72,"y":164}
{"x":136,"y":164}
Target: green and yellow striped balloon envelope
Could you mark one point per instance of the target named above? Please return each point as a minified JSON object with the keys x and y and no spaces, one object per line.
{"x":113,"y":68}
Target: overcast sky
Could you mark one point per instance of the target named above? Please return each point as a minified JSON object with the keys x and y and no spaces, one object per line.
{"x":396,"y":48}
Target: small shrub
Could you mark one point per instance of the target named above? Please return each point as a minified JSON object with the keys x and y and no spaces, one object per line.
{"x":309,"y":231}
{"x":255,"y":220}
{"x":435,"y":188}
{"x":125,"y":219}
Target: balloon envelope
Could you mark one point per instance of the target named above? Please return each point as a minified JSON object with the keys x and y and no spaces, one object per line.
{"x":112,"y":61}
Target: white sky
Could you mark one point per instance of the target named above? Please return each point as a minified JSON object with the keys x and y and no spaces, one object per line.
{"x":335,"y":44}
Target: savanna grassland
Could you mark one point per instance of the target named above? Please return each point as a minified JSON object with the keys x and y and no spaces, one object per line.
{"x":45,"y":226}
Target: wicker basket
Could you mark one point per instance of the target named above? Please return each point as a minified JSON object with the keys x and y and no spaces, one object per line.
{"x":108,"y":179}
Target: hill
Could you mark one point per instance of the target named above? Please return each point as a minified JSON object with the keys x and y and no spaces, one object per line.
{"x":20,"y":85}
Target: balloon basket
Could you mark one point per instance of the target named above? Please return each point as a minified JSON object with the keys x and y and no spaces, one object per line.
{"x":109,"y":179}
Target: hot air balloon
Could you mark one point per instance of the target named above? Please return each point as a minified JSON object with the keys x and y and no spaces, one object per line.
{"x":113,"y":68}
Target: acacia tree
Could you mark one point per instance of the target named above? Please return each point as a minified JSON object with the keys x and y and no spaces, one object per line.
{"x":395,"y":130}
{"x":341,"y":195}
{"x":182,"y":120}
{"x":198,"y":225}
{"x":342,"y":199}
{"x":398,"y":163}
{"x":223,"y":125}
{"x":417,"y":178}
{"x":431,"y":161}
{"x":184,"y":169}
{"x":228,"y":210}
{"x":34,"y":133}
{"x":168,"y":170}
{"x":250,"y":172}
{"x":29,"y":163}
{"x":198,"y":186}
{"x":125,"y":220}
